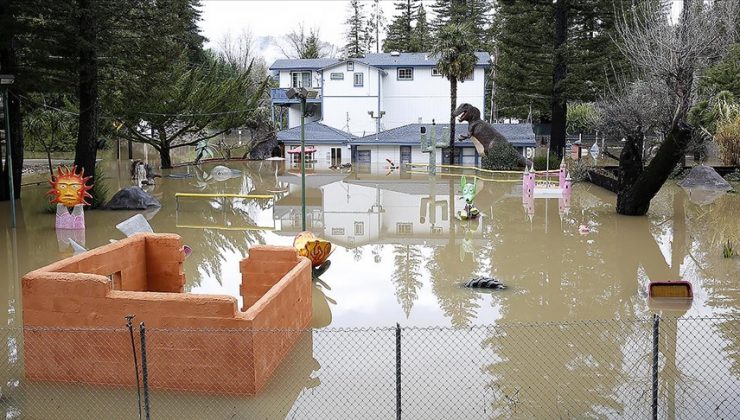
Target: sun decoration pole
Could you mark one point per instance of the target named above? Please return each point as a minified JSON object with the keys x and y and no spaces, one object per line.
{"x":4,"y":81}
{"x":303,"y":163}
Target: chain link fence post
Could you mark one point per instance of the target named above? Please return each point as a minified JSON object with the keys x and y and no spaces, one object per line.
{"x":144,"y":370}
{"x":656,"y":332}
{"x":398,"y":371}
{"x":130,"y":326}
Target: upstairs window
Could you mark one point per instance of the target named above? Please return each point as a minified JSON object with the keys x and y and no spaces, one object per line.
{"x":359,"y":79}
{"x":435,"y":72}
{"x":405,"y":73}
{"x":337,"y":76}
{"x":301,"y":79}
{"x":350,"y":66}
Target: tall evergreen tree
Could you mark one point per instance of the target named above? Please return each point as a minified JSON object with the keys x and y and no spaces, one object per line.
{"x":476,"y":13}
{"x":421,"y":35}
{"x":375,"y":27}
{"x":559,"y":72}
{"x":400,"y":30}
{"x":356,"y":45}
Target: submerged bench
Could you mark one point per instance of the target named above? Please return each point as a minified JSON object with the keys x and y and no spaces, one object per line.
{"x":74,"y":326}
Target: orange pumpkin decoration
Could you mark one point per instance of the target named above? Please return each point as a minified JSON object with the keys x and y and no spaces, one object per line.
{"x":315,"y":249}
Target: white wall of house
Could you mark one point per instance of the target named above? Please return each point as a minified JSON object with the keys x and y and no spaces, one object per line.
{"x":426,"y":96}
{"x":378,"y":155}
{"x":348,"y":220}
{"x":286,"y":78}
{"x":294,"y":116}
{"x":343,"y":99}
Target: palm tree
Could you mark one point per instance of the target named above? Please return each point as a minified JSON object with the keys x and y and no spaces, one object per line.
{"x":454,"y":48}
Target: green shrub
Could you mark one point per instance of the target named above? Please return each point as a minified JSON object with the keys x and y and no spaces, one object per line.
{"x":100,"y":189}
{"x":540,"y":162}
{"x":501,"y":157}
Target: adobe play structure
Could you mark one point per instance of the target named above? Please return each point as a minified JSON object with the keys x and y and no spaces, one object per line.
{"x":213,"y":346}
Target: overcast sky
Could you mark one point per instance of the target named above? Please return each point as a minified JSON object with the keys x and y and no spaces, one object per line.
{"x":278,"y":17}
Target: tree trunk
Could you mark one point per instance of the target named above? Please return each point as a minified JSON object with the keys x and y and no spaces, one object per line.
{"x":164,"y":157}
{"x":560,"y":71}
{"x":453,"y":105}
{"x":8,"y":65}
{"x":48,"y":160}
{"x":633,"y":198}
{"x":86,"y":148}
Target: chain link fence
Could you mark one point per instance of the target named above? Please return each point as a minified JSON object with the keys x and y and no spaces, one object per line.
{"x":661,"y":367}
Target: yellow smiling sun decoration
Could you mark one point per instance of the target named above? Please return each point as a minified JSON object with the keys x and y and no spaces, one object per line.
{"x":68,"y":188}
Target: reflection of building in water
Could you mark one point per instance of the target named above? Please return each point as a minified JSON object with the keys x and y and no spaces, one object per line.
{"x":357,"y":212}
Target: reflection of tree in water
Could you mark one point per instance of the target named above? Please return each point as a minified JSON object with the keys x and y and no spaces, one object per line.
{"x":407,"y":260}
{"x":711,"y":226}
{"x":557,"y":274}
{"x":448,"y":276}
{"x":357,"y":253}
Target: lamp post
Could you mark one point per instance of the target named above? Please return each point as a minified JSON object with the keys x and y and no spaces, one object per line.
{"x":302,"y":94}
{"x":5,"y":81}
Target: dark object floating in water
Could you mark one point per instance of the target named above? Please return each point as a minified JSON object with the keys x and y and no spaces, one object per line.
{"x":179,"y":176}
{"x":485,"y":283}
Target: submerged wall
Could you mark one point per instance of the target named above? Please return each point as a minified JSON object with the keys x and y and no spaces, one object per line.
{"x":142,"y":276}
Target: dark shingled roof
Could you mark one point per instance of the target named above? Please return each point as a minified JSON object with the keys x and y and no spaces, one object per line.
{"x":315,"y":133}
{"x":302,"y":64}
{"x":519,"y":135}
{"x":382,"y":60}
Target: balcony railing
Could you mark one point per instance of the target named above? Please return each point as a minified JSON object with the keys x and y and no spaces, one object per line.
{"x":279,"y":96}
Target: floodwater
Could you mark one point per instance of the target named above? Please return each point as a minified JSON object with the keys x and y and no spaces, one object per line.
{"x":402,"y":257}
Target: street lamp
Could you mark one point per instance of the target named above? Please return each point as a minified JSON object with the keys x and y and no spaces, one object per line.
{"x":302,"y":94}
{"x":5,"y":81}
{"x":377,"y":121}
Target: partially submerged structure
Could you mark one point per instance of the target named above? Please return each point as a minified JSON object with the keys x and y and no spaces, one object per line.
{"x":213,"y":347}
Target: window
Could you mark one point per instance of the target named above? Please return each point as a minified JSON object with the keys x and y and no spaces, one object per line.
{"x":359,"y":228}
{"x":404,"y":228}
{"x":350,"y":66}
{"x":301,"y":79}
{"x":337,"y":76}
{"x":435,"y":72}
{"x":359,"y":79}
{"x":337,"y":231}
{"x":437,"y":230}
{"x":405,"y":73}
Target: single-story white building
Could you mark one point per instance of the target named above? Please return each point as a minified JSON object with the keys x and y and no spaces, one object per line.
{"x":325,"y":145}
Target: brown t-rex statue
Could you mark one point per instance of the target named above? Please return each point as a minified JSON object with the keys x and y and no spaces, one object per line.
{"x":482,"y":134}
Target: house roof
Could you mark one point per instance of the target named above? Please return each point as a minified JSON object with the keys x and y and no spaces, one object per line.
{"x":519,"y":135}
{"x":380,"y":60}
{"x":302,"y":64}
{"x":315,"y":133}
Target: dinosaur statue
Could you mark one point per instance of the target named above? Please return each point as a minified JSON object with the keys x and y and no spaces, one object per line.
{"x":482,"y":134}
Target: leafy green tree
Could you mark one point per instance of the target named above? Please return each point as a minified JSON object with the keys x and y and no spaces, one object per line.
{"x":582,"y":118}
{"x":724,"y":74}
{"x":186,"y":104}
{"x":356,"y":21}
{"x":457,"y":59}
{"x":50,"y":130}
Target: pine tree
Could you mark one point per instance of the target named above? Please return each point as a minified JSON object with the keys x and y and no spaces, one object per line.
{"x":400,"y":30}
{"x":375,"y":27}
{"x":421,"y":35}
{"x":356,"y":45}
{"x":476,"y":13}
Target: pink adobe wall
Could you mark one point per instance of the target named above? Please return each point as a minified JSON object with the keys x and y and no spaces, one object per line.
{"x":76,"y":293}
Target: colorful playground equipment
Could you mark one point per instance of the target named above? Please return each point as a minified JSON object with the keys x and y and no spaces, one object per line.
{"x":533,"y":188}
{"x":469,"y":191}
{"x":315,"y":249}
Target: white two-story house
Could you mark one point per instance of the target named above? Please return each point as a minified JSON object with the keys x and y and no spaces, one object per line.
{"x":366,"y":97}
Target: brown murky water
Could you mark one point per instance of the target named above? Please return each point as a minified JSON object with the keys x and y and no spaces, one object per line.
{"x":402,"y":257}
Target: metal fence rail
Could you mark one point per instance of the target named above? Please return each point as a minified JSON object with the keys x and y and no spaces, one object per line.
{"x":554,"y":369}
